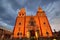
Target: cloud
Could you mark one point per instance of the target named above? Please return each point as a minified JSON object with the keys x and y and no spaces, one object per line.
{"x":52,"y":9}
{"x":5,"y":25}
{"x":9,"y":10}
{"x":53,"y":13}
{"x":21,"y":2}
{"x":55,"y":24}
{"x":14,"y":4}
{"x":7,"y":14}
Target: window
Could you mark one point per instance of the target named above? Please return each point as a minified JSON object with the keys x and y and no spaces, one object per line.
{"x":22,"y":14}
{"x":20,"y":23}
{"x":19,"y":33}
{"x":47,"y":33}
{"x":44,"y":23}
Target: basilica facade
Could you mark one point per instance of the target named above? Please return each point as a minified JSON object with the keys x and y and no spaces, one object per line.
{"x":32,"y":26}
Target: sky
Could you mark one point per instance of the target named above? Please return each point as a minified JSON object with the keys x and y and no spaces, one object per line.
{"x":9,"y":11}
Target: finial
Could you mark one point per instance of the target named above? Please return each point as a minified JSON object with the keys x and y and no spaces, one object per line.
{"x":39,"y":8}
{"x":22,"y":10}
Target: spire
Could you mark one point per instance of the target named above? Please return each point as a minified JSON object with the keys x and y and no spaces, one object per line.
{"x":39,"y":9}
{"x":22,"y":12}
{"x":40,"y":12}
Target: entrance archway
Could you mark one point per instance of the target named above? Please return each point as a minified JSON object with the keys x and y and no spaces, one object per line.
{"x":32,"y":33}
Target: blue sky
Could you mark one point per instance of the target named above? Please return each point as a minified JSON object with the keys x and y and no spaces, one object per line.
{"x":9,"y":10}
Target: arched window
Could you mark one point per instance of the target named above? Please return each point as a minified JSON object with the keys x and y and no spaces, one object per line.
{"x":44,"y":23}
{"x":20,"y":23}
{"x":19,"y":33}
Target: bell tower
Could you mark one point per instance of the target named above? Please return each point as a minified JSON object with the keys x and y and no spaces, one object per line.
{"x":45,"y":26}
{"x":20,"y":24}
{"x":40,"y":12}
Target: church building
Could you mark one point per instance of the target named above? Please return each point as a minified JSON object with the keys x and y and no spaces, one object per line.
{"x":32,"y":26}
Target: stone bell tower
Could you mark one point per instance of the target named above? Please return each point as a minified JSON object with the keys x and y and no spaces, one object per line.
{"x":20,"y":24}
{"x":44,"y":23}
{"x":32,"y":26}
